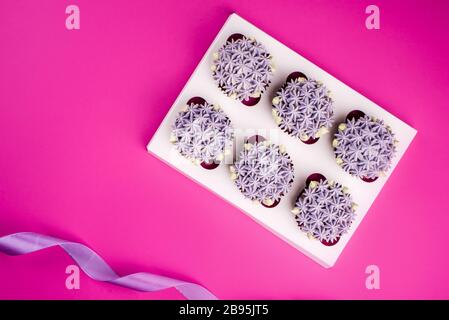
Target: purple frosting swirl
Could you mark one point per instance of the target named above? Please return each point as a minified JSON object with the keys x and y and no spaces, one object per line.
{"x":303,"y":108}
{"x":364,"y":147}
{"x":242,"y":68}
{"x":324,"y":210}
{"x":202,"y":132}
{"x":263,"y":172}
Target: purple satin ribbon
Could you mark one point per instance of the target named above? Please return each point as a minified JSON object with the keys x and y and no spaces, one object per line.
{"x":96,"y":268}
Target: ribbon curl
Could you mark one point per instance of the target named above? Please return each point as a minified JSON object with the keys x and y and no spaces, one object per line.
{"x":96,"y":268}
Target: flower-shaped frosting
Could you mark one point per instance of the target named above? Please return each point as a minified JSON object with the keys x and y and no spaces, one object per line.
{"x":202,"y":132}
{"x":303,"y":108}
{"x":263,"y":172}
{"x":242,"y":68}
{"x":364,"y":147}
{"x":324,"y":210}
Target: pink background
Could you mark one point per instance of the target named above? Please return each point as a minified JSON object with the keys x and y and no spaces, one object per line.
{"x":78,"y":107}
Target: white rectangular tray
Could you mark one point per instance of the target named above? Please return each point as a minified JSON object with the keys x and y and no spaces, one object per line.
{"x":307,"y":159}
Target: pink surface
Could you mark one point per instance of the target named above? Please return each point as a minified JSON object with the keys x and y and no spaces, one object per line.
{"x":78,"y":107}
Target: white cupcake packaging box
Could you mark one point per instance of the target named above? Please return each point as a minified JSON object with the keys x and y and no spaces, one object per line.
{"x":258,"y":119}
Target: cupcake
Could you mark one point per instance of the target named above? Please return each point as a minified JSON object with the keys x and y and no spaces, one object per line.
{"x":324,"y":210}
{"x":263,"y":171}
{"x":243,"y":69}
{"x":202,"y":133}
{"x":303,"y":108}
{"x":364,"y":146}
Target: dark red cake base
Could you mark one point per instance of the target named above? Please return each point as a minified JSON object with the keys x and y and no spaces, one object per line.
{"x":272,"y":206}
{"x":296,"y":75}
{"x":209,"y":165}
{"x":234,"y":37}
{"x":255,"y":139}
{"x":250,"y":102}
{"x":196,"y":100}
